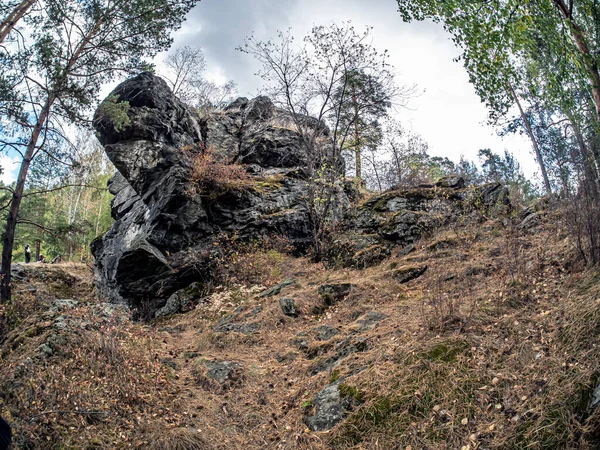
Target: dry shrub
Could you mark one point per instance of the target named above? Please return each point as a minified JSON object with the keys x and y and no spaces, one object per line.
{"x":93,"y":383}
{"x":178,"y":439}
{"x":448,"y":295}
{"x":14,"y":312}
{"x":260,"y":262}
{"x":581,"y":217}
{"x":214,"y":175}
{"x":448,"y":303}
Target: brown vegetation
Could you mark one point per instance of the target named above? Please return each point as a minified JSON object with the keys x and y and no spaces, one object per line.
{"x":494,"y":346}
{"x":214,"y":174}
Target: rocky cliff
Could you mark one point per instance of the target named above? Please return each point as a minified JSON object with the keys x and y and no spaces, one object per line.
{"x":165,"y":234}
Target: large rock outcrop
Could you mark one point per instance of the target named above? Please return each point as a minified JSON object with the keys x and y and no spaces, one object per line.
{"x":166,"y":231}
{"x":400,"y":217}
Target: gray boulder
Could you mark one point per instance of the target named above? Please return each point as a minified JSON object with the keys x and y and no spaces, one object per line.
{"x":223,"y":371}
{"x":163,"y":238}
{"x":288,"y":306}
{"x":182,"y":300}
{"x":405,"y":274}
{"x":330,"y":408}
{"x":332,"y":293}
{"x":400,"y":217}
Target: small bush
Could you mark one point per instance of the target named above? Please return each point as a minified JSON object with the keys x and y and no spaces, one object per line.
{"x":178,"y":439}
{"x":214,"y":175}
{"x":259,"y":262}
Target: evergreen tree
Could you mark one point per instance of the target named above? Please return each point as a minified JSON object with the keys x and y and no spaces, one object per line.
{"x":77,"y":48}
{"x":364,"y":99}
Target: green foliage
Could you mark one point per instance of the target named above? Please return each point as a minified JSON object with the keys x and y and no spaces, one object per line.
{"x":363,"y":98}
{"x":353,"y":392}
{"x":447,"y":352}
{"x":116,"y":112}
{"x":506,"y":170}
{"x":67,"y":212}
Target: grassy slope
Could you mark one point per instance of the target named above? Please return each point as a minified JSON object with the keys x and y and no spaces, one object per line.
{"x":495,"y":346}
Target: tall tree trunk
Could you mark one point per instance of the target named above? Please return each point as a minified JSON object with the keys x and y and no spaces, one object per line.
{"x":589,"y":165}
{"x":8,"y":24}
{"x":534,"y":143}
{"x":589,"y":60}
{"x":377,"y":177}
{"x":357,"y":148}
{"x":8,"y":239}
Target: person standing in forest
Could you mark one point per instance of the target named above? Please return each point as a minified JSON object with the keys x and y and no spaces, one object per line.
{"x":27,"y":254}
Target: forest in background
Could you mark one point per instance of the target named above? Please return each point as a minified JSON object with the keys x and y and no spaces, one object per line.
{"x":65,"y":206}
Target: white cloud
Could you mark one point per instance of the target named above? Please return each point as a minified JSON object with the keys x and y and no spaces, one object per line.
{"x":449,"y":115}
{"x":10,"y":168}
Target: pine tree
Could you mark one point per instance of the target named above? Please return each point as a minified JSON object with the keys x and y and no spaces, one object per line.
{"x":78,"y":47}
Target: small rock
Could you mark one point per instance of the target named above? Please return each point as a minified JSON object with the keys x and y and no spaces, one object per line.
{"x":111,"y":310}
{"x":406,"y":250}
{"x":45,"y":350}
{"x":181,"y":300}
{"x":62,"y":322}
{"x":369,"y":320}
{"x":275,"y":290}
{"x":330,"y":408}
{"x":595,"y":400}
{"x":244,"y":328}
{"x":17,"y":272}
{"x":451,"y":181}
{"x":288,"y":306}
{"x":288,"y":357}
{"x":349,"y":346}
{"x":325,"y":332}
{"x":62,"y":304}
{"x":332,"y":293}
{"x":530,"y":221}
{"x":407,"y":273}
{"x":301,"y":342}
{"x":222,"y":371}
{"x":344,"y":348}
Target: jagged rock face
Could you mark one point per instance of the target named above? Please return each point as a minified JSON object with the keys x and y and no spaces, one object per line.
{"x":401,"y":217}
{"x":162,"y":238}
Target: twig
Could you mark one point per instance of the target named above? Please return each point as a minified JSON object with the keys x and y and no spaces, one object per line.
{"x":60,"y":411}
{"x":64,"y":186}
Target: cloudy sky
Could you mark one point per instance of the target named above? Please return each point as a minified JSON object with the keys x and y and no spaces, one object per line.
{"x":447,"y":113}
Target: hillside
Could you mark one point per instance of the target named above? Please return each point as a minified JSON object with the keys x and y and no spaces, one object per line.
{"x":493,"y":346}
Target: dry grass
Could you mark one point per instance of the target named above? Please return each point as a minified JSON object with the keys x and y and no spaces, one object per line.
{"x":285,"y":123}
{"x":495,"y":346}
{"x":178,"y":439}
{"x":259,"y":262}
{"x":214,"y":175}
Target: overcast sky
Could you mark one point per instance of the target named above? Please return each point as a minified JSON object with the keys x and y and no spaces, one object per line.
{"x":447,"y":114}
